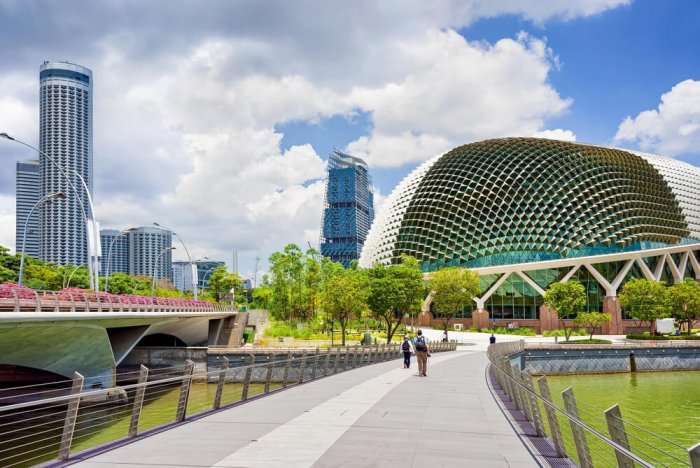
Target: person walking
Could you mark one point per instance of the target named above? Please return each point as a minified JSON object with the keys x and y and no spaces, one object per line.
{"x":407,"y":348}
{"x":422,"y":353}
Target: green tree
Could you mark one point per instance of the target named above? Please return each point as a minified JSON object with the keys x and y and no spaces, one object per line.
{"x":121,"y":283}
{"x":221,"y":282}
{"x":591,"y":320}
{"x":567,"y":298}
{"x":394,"y":292}
{"x":287,"y":271}
{"x":684,"y":301}
{"x":452,"y":289}
{"x":646,"y":300}
{"x":344,"y":295}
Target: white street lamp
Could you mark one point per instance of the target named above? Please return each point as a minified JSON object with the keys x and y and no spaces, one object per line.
{"x":41,"y":201}
{"x":108,"y":270}
{"x":189,"y":257}
{"x":94,"y":248}
{"x":70,"y":184}
{"x":155,"y":268}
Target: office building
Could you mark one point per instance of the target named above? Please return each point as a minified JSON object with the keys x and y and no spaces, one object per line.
{"x":65,"y":134}
{"x":150,"y":252}
{"x":27,"y":195}
{"x":182,"y":276}
{"x":115,"y":250}
{"x":204,"y":270}
{"x":526,"y":212}
{"x":348,"y":208}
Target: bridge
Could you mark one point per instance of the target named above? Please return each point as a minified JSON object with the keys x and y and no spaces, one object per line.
{"x":92,"y":333}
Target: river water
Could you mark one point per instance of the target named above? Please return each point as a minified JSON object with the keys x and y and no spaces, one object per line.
{"x":664,"y":403}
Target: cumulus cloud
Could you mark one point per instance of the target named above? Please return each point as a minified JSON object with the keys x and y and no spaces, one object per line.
{"x":671,"y":129}
{"x":458,"y":92}
{"x":556,"y":134}
{"x":187,"y":100}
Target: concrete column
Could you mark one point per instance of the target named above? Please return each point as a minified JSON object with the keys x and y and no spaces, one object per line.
{"x":611,"y":306}
{"x":480,"y":318}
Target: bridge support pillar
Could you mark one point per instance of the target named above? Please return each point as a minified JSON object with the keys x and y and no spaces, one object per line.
{"x":611,"y":306}
{"x":480,"y":318}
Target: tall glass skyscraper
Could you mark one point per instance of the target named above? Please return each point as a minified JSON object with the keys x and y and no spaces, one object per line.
{"x":27,"y":191}
{"x":65,"y":133}
{"x":149,"y":252}
{"x":119,"y":258}
{"x":348,"y":209}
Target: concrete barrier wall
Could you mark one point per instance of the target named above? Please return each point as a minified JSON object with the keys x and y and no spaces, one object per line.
{"x":596,"y":360}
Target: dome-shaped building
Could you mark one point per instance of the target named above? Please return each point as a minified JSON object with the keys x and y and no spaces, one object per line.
{"x":524,"y":212}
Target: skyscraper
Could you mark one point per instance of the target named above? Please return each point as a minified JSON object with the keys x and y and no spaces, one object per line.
{"x":27,"y":191}
{"x":119,"y":258}
{"x":348,"y":208}
{"x":149,"y":252}
{"x":65,"y":133}
{"x":182,"y":276}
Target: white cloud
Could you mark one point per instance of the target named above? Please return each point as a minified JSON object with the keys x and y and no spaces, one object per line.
{"x":671,"y":129}
{"x":556,"y":134}
{"x":458,"y":92}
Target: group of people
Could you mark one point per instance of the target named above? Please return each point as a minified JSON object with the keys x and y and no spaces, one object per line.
{"x":419,"y":347}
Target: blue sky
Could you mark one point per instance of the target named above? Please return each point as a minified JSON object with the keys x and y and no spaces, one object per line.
{"x":217,"y":121}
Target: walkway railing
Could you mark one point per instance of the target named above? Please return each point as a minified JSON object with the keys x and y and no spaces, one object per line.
{"x":625,"y":444}
{"x":21,"y":299}
{"x":54,"y":426}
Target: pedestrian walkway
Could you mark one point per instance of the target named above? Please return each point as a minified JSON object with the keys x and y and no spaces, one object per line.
{"x":380,"y":415}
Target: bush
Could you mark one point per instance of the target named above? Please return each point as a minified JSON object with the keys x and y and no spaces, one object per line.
{"x":587,"y":341}
{"x":523,"y":331}
{"x":560,"y":332}
{"x":646,"y":336}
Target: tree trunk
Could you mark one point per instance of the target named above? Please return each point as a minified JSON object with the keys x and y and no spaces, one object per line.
{"x":393,"y":332}
{"x":388,"y":329}
{"x":342,"y":329}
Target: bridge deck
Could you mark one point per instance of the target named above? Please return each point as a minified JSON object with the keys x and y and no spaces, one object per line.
{"x":379,"y":415}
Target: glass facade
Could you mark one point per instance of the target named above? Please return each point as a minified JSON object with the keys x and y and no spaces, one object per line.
{"x":348,"y":209}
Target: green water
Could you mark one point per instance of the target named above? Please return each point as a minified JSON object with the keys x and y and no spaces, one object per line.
{"x":665,"y":403}
{"x":38,"y":436}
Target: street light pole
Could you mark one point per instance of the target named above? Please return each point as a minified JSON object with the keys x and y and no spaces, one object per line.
{"x":41,"y":201}
{"x":95,"y":232}
{"x":108,"y":270}
{"x":70,"y":184}
{"x":155,"y":267}
{"x":189,"y":257}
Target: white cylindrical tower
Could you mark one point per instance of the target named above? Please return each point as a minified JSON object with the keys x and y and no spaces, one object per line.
{"x":65,"y":133}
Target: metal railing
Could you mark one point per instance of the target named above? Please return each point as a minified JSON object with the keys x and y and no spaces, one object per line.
{"x":56,"y":424}
{"x":29,"y":300}
{"x":565,"y":428}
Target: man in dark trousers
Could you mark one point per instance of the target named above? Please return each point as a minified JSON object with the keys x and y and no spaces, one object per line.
{"x":422,"y":353}
{"x":407,"y":348}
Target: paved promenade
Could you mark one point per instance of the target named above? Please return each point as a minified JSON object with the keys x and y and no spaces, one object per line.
{"x":380,"y":415}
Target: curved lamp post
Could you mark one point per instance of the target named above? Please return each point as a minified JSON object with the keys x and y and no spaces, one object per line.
{"x":155,"y":267}
{"x":70,"y":184}
{"x":189,"y":257}
{"x":108,"y":270}
{"x":95,"y":232}
{"x":41,"y":201}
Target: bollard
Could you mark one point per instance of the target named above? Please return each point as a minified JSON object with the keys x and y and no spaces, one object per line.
{"x":694,"y":455}
{"x":268,"y":376}
{"x":552,"y":418}
{"x":286,"y":369}
{"x":246,"y":379}
{"x":633,"y":362}
{"x":71,"y":417}
{"x":584,"y":454}
{"x":184,"y":391}
{"x":138,"y":401}
{"x":302,"y":367}
{"x":536,"y":415}
{"x":220,"y":384}
{"x":616,"y":429}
